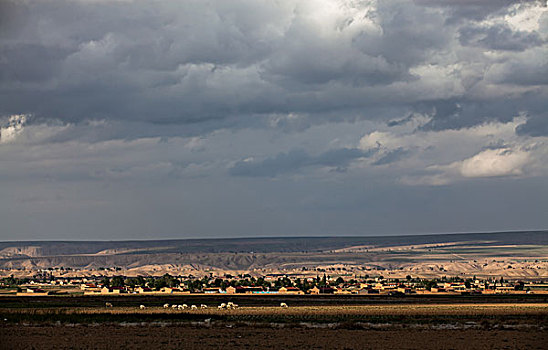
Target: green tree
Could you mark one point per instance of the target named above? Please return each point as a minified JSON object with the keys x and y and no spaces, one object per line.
{"x":117,"y":281}
{"x":519,"y":285}
{"x":105,"y":281}
{"x":140,"y":281}
{"x":430,"y":284}
{"x":131,"y":282}
{"x":218,"y":282}
{"x":323,"y":282}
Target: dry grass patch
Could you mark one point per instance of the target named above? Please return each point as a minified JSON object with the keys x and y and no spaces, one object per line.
{"x":373,"y":310}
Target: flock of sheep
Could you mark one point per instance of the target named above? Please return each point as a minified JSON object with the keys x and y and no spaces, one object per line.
{"x":230,"y":305}
{"x":184,"y":306}
{"x":224,"y":306}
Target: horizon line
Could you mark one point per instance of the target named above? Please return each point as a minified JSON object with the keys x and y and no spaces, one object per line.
{"x":284,"y":237}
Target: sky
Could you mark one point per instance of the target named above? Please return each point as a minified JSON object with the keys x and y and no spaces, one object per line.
{"x":143,"y":119}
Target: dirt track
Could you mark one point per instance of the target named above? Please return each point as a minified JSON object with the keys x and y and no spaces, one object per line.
{"x":245,"y":337}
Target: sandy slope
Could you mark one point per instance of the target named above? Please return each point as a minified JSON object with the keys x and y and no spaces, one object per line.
{"x":481,"y":257}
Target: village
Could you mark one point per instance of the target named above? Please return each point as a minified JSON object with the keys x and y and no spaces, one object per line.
{"x":45,"y":284}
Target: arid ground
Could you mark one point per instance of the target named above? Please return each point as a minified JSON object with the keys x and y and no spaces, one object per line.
{"x":248,"y":337}
{"x":517,"y":322}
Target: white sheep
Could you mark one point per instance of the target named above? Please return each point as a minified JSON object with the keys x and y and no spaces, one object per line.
{"x":203,"y":306}
{"x":142,"y":307}
{"x":194,"y":307}
{"x":185,"y":306}
{"x":174,"y":306}
{"x":283,"y":305}
{"x":166,"y":306}
{"x":180,"y":307}
{"x":222,"y":306}
{"x":231,"y":305}
{"x":108,"y":304}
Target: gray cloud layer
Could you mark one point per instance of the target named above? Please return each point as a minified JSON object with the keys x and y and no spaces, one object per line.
{"x":282,"y":109}
{"x":337,"y":159}
{"x":172,"y":62}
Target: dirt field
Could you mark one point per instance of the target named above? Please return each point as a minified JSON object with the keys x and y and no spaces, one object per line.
{"x":60,"y":323}
{"x":494,"y":314}
{"x":134,"y":300}
{"x":180,"y":337}
{"x":337,"y":311}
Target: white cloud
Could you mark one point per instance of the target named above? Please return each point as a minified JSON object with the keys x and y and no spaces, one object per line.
{"x":443,"y":157}
{"x":13,"y":127}
{"x":495,"y":162}
{"x":526,"y":16}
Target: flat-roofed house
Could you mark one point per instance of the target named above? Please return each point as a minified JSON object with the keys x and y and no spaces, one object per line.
{"x":290,"y":290}
{"x":34,"y":291}
{"x":142,"y":290}
{"x":314,"y":290}
{"x":112,"y":290}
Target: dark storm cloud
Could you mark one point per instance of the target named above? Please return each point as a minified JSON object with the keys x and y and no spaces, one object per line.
{"x":530,"y":72}
{"x":456,"y":114}
{"x":499,"y":37}
{"x":468,"y":9}
{"x":195,"y":62}
{"x":536,"y":125}
{"x":451,"y":114}
{"x":410,"y":34}
{"x":19,"y":64}
{"x":537,"y":117}
{"x":295,"y":160}
{"x":402,"y":121}
{"x":141,"y":61}
{"x":234,"y":64}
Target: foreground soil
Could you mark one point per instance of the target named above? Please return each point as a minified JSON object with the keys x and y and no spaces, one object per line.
{"x":76,"y":323}
{"x":427,"y":314}
{"x":246,"y":337}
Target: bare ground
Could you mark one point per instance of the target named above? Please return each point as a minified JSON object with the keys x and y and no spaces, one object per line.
{"x":62,"y":324}
{"x":246,"y":337}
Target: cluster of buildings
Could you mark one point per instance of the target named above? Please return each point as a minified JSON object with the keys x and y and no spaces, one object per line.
{"x":382,"y":287}
{"x":90,"y":289}
{"x":284,"y":285}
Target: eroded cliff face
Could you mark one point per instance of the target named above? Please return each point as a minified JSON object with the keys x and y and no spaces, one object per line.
{"x":482,"y":255}
{"x":21,"y":251}
{"x":388,"y":264}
